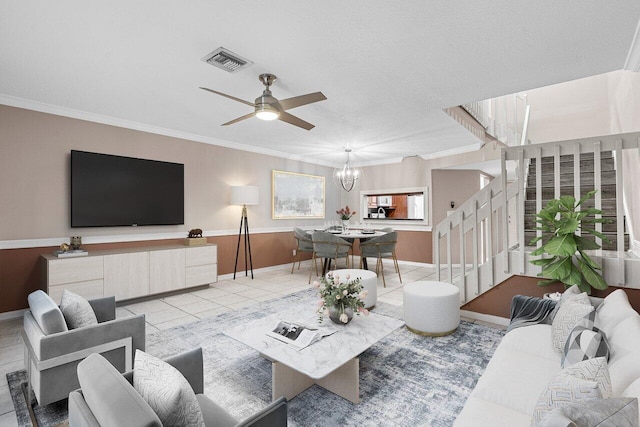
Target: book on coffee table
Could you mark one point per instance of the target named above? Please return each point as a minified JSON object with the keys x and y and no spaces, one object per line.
{"x":297,"y":335}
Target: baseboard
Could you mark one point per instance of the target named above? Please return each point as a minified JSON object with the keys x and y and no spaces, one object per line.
{"x":502,"y":321}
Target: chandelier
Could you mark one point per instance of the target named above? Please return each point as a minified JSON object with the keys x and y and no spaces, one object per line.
{"x":346,"y":176}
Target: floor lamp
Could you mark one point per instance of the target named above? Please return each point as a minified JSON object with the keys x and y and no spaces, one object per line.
{"x":245,"y":195}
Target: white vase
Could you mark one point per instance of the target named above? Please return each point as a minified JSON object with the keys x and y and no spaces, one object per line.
{"x":345,"y":224}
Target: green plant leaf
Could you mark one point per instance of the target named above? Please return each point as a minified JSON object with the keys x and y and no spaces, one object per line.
{"x":542,"y":261}
{"x":547,"y":282}
{"x":587,"y":259}
{"x":538,"y":251}
{"x":535,"y":240}
{"x":592,"y":277}
{"x":559,"y":269}
{"x":569,"y":226}
{"x":597,"y":234}
{"x":585,"y":244}
{"x":584,"y":287}
{"x":564,"y":245}
{"x":586,"y":197}
{"x":568,"y":202}
{"x":575,"y":277}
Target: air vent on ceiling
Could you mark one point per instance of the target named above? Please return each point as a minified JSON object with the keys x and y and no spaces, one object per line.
{"x":227,"y":60}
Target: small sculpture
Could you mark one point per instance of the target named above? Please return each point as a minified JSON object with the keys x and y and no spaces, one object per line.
{"x":64,"y":247}
{"x":196,"y":232}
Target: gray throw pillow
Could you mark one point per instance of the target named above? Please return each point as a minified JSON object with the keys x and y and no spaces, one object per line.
{"x":46,"y":313}
{"x":588,"y":380}
{"x":77,"y":310}
{"x":167,"y":391}
{"x":568,"y":316}
{"x":568,"y":293}
{"x":584,"y":344}
{"x":614,"y":412}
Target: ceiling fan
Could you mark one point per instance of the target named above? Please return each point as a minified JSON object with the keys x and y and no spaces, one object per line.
{"x":269,"y":108}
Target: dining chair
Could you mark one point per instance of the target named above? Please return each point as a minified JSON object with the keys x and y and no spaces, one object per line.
{"x":387,"y":230}
{"x":328,"y":246}
{"x":381,"y":247}
{"x":304,"y":244}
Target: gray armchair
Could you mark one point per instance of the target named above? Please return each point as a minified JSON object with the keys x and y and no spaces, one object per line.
{"x":109,"y":399}
{"x":304,"y":244}
{"x":328,"y":246}
{"x":381,"y":247}
{"x":52,"y":352}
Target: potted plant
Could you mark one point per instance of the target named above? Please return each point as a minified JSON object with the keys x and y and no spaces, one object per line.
{"x":345,"y":215}
{"x":567,"y":261}
{"x":340,"y":299}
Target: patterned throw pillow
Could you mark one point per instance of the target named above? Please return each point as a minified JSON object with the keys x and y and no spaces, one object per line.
{"x":76,"y":310}
{"x":584,"y":381}
{"x":567,"y":294}
{"x":571,"y":311}
{"x":167,"y":391}
{"x":584,"y":344}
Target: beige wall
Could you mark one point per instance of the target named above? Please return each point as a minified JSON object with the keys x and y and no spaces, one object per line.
{"x":34,"y":176}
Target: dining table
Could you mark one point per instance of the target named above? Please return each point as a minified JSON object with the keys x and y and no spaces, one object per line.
{"x":350,"y":235}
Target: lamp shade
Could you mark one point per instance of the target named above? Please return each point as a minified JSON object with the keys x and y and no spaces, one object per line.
{"x":244,"y":195}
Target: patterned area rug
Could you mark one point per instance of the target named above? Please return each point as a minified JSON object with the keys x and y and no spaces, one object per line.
{"x":50,"y":415}
{"x":405,"y":379}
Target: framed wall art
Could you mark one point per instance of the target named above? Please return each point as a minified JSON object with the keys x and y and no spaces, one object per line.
{"x":297,"y":195}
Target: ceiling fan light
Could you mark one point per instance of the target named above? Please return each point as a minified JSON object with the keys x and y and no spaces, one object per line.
{"x":266,"y":112}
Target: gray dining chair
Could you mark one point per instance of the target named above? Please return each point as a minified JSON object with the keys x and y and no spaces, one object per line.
{"x":381,"y":247}
{"x":387,"y":230}
{"x":304,"y":244}
{"x":329,"y":247}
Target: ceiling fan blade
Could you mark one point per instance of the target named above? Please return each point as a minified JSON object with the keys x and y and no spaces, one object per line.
{"x":250,"y":104}
{"x":239,"y":119}
{"x":293,"y":120}
{"x":298,"y":101}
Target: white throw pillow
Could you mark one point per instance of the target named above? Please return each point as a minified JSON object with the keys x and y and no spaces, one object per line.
{"x":584,"y":381}
{"x":568,"y":316}
{"x":77,"y":311}
{"x":167,"y":391}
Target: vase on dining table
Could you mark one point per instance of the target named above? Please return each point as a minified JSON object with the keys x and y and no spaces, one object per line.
{"x":345,"y":224}
{"x":336,"y":314}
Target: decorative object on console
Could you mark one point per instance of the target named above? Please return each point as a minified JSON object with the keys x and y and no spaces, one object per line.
{"x":244,"y":195}
{"x":340,"y":298}
{"x":195,"y":238}
{"x":64,"y":247}
{"x":561,"y":221}
{"x":347,"y":176}
{"x":75,"y":242}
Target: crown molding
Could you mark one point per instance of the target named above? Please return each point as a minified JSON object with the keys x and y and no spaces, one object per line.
{"x":632,"y":62}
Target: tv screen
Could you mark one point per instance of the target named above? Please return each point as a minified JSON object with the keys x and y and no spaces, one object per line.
{"x":109,"y":191}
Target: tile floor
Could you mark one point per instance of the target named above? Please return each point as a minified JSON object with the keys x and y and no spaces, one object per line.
{"x":225,"y":295}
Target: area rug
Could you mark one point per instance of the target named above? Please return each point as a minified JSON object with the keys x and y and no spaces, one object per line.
{"x":49,"y":415}
{"x":405,"y":379}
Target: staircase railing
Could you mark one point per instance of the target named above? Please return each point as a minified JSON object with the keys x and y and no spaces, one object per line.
{"x":504,"y":118}
{"x":489,"y":228}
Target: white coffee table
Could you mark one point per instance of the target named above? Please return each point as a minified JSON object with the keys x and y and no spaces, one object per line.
{"x":332,"y":363}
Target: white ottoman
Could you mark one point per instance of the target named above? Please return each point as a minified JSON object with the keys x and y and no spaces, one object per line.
{"x":369,"y":280}
{"x":431,"y":308}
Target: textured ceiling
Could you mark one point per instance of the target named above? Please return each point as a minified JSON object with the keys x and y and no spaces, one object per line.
{"x":387,"y":68}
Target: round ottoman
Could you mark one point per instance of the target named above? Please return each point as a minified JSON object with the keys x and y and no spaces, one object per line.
{"x":431,"y":308}
{"x":369,"y":280}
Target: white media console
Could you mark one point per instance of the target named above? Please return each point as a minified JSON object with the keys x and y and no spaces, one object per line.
{"x":132,"y":272}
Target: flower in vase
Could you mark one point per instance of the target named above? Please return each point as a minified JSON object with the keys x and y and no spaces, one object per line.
{"x":344,"y":318}
{"x":345,"y":213}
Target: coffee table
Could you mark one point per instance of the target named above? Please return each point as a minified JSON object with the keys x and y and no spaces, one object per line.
{"x":332,"y":362}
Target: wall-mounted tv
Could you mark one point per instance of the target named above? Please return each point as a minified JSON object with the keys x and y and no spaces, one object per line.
{"x":109,"y":191}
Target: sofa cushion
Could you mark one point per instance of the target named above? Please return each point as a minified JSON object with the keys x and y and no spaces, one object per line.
{"x":76,"y":310}
{"x":613,"y":310}
{"x":586,"y":380}
{"x":584,"y":344}
{"x":614,"y":412}
{"x":534,"y":340}
{"x":532,"y":372}
{"x":567,"y":294}
{"x":167,"y":391}
{"x":46,"y":313}
{"x":479,"y":412}
{"x":113,"y":401}
{"x":569,"y":314}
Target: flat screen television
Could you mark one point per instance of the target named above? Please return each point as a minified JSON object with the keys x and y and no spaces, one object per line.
{"x":110,"y":191}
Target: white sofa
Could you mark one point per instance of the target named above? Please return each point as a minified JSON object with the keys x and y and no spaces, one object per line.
{"x":525,"y":362}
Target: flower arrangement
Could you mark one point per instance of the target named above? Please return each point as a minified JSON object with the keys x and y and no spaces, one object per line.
{"x":340,"y":296}
{"x":346,"y":213}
